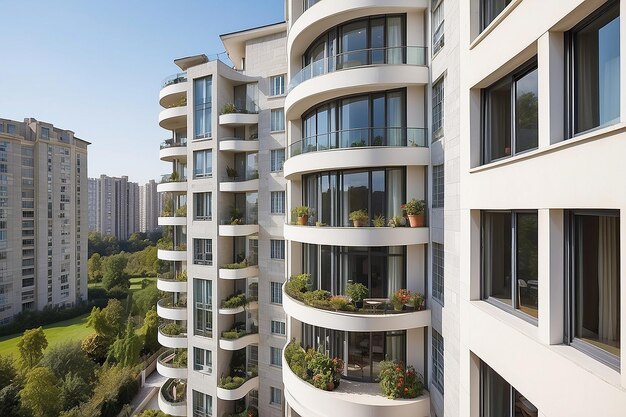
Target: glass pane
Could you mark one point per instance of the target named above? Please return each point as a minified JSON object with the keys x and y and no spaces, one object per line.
{"x":358,"y":355}
{"x":322,"y":129}
{"x":526,"y":113}
{"x":490,"y":9}
{"x":354,"y":122}
{"x":498,"y":134}
{"x":326,"y":270}
{"x":378,"y":194}
{"x":496,"y":394}
{"x":353,"y":45}
{"x":377,"y":41}
{"x":527,"y":255}
{"x":355,"y":194}
{"x":377,"y":134}
{"x":395,"y":40}
{"x":396,"y":119}
{"x":523,"y":407}
{"x":497,"y":256}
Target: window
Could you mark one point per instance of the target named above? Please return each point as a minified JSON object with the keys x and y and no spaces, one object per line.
{"x":278,"y":120}
{"x":594,"y":71}
{"x":202,"y":404}
{"x":438,"y":186}
{"x":276,"y":293}
{"x":499,"y":399}
{"x":203,"y":164}
{"x":11,"y":129}
{"x":438,"y":109}
{"x":277,"y":85}
{"x":276,"y":356}
{"x":203,"y":301}
{"x":437,"y":25}
{"x":437,"y":370}
{"x":510,"y":114}
{"x":45,"y":133}
{"x":278,"y":202}
{"x":510,"y":253}
{"x":202,"y":107}
{"x":202,"y":206}
{"x":489,"y":10}
{"x":594,"y":284}
{"x":277,"y":159}
{"x":276,"y":396}
{"x":438,"y":272}
{"x":278,"y":327}
{"x":202,"y":360}
{"x":203,"y":251}
{"x":277,"y":249}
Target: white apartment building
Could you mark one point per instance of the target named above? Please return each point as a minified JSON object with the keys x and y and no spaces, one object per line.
{"x":507,"y":116}
{"x":116,"y":205}
{"x":224,"y":208}
{"x":149,"y":207}
{"x":43,"y":206}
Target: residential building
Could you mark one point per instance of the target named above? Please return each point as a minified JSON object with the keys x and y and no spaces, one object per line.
{"x":43,"y":254}
{"x":116,"y":203}
{"x":223,"y":212}
{"x":149,"y":207}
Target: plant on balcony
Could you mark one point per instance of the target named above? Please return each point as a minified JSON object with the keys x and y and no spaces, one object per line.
{"x":417,"y":301}
{"x":357,"y":292}
{"x":236,"y":216}
{"x":181,"y":102}
{"x":231,"y":172}
{"x":181,"y":211}
{"x":172,"y":329}
{"x":378,"y":220}
{"x":359,"y":218}
{"x":174,"y":176}
{"x":237,"y":265}
{"x":358,"y":144}
{"x":249,"y":411}
{"x":229,"y":108}
{"x":302,"y":214}
{"x":398,"y":381}
{"x":415,"y":211}
{"x":400,"y":298}
{"x":314,"y":367}
{"x":233,"y":382}
{"x":396,"y":221}
{"x":234,"y":301}
{"x":180,"y":360}
{"x":339,"y":302}
{"x":182,"y":276}
{"x":233,"y":334}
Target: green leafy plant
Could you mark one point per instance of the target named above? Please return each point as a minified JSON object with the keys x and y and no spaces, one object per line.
{"x":180,"y":360}
{"x":298,"y":285}
{"x":400,"y":298}
{"x":228,"y":108}
{"x":231,"y":172}
{"x":234,"y":301}
{"x":237,"y":265}
{"x":417,"y":300}
{"x":396,"y":221}
{"x":398,"y":381}
{"x":359,"y":215}
{"x":236,"y":216}
{"x":172,"y":329}
{"x":318,"y":369}
{"x":338,"y":302}
{"x":414,"y":207}
{"x":378,"y":220}
{"x":301,"y":211}
{"x":356,"y":291}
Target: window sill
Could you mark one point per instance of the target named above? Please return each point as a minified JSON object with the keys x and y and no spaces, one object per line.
{"x":495,"y":22}
{"x":277,"y":131}
{"x":277,"y":96}
{"x":566,"y":143}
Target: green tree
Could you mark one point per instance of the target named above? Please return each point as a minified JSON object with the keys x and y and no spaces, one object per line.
{"x":153,"y":413}
{"x":125,"y":350}
{"x":7,"y":371}
{"x":94,"y":268}
{"x":96,"y":347}
{"x":107,"y":322}
{"x":31,"y":347}
{"x":145,"y":299}
{"x":74,"y":390}
{"x":149,"y":331}
{"x":113,"y":273}
{"x":68,"y":358}
{"x":10,"y":401}
{"x":41,"y":394}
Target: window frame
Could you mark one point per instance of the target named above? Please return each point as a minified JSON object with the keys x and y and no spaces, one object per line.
{"x":482,"y":23}
{"x":273,"y":128}
{"x":276,"y":393}
{"x":441,"y":106}
{"x":438,"y":186}
{"x":276,"y":298}
{"x":281,"y":90}
{"x":438,"y":295}
{"x":277,"y":165}
{"x":437,"y":360}
{"x":279,"y":325}
{"x":204,"y":173}
{"x":277,"y":202}
{"x":277,"y":249}
{"x":273,"y":362}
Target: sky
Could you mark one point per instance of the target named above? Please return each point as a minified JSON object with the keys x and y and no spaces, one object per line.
{"x":96,"y":66}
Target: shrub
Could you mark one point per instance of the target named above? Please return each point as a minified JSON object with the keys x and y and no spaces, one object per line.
{"x":297,"y":285}
{"x":400,"y":298}
{"x":359,"y":216}
{"x":234,"y":301}
{"x":414,"y":206}
{"x":172,"y":329}
{"x":379,"y":220}
{"x":318,"y":369}
{"x":231,"y":382}
{"x":180,"y":360}
{"x":398,"y":381}
{"x":237,"y":265}
{"x":118,"y":292}
{"x":339,"y":302}
{"x":301,"y":211}
{"x":356,"y":291}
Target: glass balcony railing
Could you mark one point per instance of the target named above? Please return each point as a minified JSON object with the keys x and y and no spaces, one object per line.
{"x":393,"y":55}
{"x":173,"y":143}
{"x":359,"y":138}
{"x":181,"y":77}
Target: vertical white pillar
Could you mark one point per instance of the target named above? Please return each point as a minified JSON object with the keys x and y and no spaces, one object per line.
{"x":622,"y":235}
{"x":551,"y":67}
{"x":551,"y":273}
{"x":622,"y":64}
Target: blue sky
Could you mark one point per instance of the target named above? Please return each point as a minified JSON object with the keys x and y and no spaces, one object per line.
{"x":96,"y":66}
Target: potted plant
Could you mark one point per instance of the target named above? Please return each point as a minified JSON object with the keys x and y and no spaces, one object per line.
{"x":236,"y":217}
{"x":231,"y":172}
{"x":400,"y":298}
{"x":302,"y":214}
{"x":418,"y":300}
{"x":359,"y":217}
{"x":415,"y":211}
{"x":357,"y":292}
{"x":378,"y":220}
{"x":396,"y":221}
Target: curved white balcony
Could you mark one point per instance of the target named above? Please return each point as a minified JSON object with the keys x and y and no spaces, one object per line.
{"x":172,"y":255}
{"x":238,"y":229}
{"x":349,"y":399}
{"x":174,"y":342}
{"x":239,"y":186}
{"x":242,"y":342}
{"x":377,"y":321}
{"x":166,"y":367}
{"x":230,"y":311}
{"x":174,"y":408}
{"x":238,"y":145}
{"x":353,"y":157}
{"x":172,"y":221}
{"x":172,"y":187}
{"x":167,"y":311}
{"x":240,"y":392}
{"x":327,"y":14}
{"x":173,"y":118}
{"x":171,"y":285}
{"x":170,"y":151}
{"x":351,"y":81}
{"x":241,"y":273}
{"x":173,"y":89}
{"x":238,"y":119}
{"x":357,"y":236}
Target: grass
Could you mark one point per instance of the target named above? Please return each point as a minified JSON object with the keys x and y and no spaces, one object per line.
{"x":73,"y":329}
{"x":135,"y":283}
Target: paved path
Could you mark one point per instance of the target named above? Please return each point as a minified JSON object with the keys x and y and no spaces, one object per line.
{"x":148,"y":397}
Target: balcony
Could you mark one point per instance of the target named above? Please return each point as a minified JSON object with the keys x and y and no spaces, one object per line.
{"x":237,"y":183}
{"x":176,"y":254}
{"x":174,"y":117}
{"x":171,"y":150}
{"x":172,"y":89}
{"x":176,"y":217}
{"x":231,"y":389}
{"x":238,"y":271}
{"x":233,"y":117}
{"x":168,"y":283}
{"x":173,"y":336}
{"x":237,"y":303}
{"x":172,"y":398}
{"x":173,"y":364}
{"x":237,"y":338}
{"x":172,"y":183}
{"x":357,"y":236}
{"x":238,"y":229}
{"x":229,"y":144}
{"x":172,"y":310}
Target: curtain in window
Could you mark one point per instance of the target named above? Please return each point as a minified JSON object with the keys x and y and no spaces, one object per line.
{"x":394,"y":40}
{"x":395,"y":270}
{"x":586,"y":99}
{"x":608,"y":278}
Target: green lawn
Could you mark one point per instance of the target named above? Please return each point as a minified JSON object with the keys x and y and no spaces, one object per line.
{"x":135,"y":283}
{"x":73,"y":329}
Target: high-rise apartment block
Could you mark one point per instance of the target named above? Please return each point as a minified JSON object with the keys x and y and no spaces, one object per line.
{"x":149,"y":207}
{"x":115,"y":202}
{"x":506,"y":116}
{"x":43,"y":207}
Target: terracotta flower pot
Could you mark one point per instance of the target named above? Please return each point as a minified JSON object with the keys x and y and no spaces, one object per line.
{"x":416,"y":220}
{"x":303,"y":220}
{"x":358,"y":223}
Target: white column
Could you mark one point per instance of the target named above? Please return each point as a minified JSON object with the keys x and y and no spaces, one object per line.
{"x":622,"y":234}
{"x":551,"y":67}
{"x":622,"y":67}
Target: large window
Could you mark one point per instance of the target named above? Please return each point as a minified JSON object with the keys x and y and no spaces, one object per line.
{"x":438,"y":186}
{"x":202,"y":107}
{"x":510,"y":255}
{"x":277,"y":202}
{"x":499,"y":399}
{"x":202,"y":404}
{"x":334,"y":195}
{"x":381,"y":269}
{"x":202,"y":360}
{"x":276,"y":356}
{"x":276,"y":396}
{"x":438,"y":272}
{"x":277,"y":249}
{"x":277,"y":159}
{"x":203,"y":251}
{"x":510,"y":114}
{"x":277,"y":123}
{"x":438,"y":26}
{"x":277,"y":85}
{"x":595,"y":70}
{"x":203,"y":164}
{"x":203,"y":314}
{"x":246,"y":98}
{"x":489,"y":10}
{"x":437,"y":353}
{"x":276,"y":293}
{"x":438,"y":109}
{"x":594,"y":284}
{"x":202,"y":206}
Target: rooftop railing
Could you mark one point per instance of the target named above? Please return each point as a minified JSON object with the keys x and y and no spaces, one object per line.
{"x":178,"y":78}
